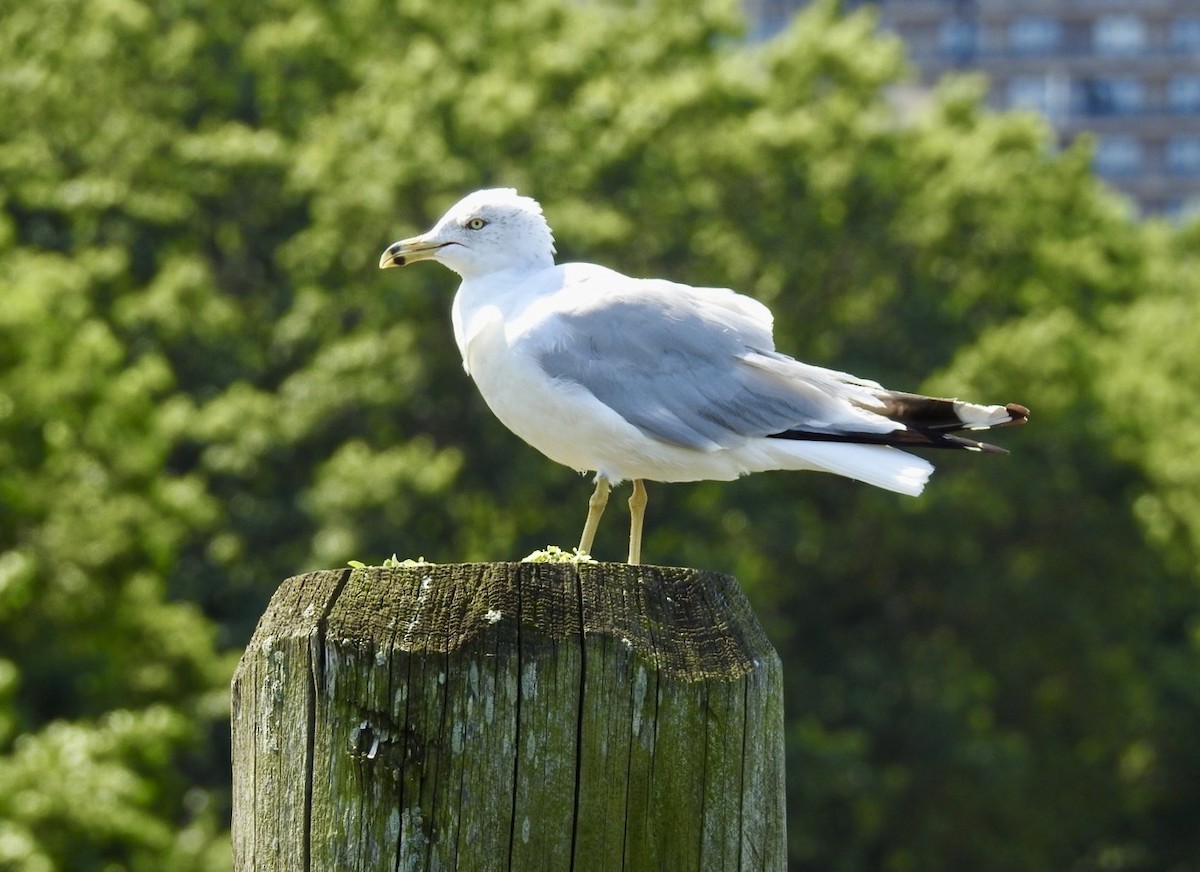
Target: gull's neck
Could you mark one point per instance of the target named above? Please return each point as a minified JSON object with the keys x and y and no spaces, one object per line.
{"x":492,"y":297}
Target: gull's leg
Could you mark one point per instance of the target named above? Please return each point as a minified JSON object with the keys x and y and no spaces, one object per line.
{"x":596,"y":504}
{"x":637,"y":512}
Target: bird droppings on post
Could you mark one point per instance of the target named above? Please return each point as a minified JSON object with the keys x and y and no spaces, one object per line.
{"x":492,"y":615}
{"x":422,"y":597}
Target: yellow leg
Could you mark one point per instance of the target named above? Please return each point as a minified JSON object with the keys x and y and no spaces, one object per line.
{"x":596,"y":506}
{"x":637,"y":513}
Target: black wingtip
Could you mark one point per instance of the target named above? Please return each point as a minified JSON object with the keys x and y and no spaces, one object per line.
{"x":897,"y":439}
{"x":989,"y":448}
{"x":917,"y":413}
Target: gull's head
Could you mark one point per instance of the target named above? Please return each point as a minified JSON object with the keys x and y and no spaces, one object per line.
{"x":484,"y":232}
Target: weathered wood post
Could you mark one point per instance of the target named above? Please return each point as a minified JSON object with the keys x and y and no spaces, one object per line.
{"x":508,"y":717}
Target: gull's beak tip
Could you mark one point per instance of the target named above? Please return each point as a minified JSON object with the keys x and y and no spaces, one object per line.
{"x":391,"y":257}
{"x":408,"y":251}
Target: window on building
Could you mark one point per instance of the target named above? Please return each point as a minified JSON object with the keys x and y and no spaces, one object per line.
{"x":1183,"y":209}
{"x":1107,"y":95}
{"x":1033,"y":34}
{"x":1183,"y":94}
{"x":1028,"y":93}
{"x":1117,"y":155}
{"x":958,"y":38}
{"x":1119,"y":34}
{"x":1185,"y":34}
{"x":1183,"y":155}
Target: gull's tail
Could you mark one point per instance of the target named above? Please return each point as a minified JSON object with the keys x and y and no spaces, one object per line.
{"x":923,"y":422}
{"x":879,"y":465}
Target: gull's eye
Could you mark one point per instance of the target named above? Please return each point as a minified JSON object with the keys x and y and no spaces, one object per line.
{"x":476,"y":224}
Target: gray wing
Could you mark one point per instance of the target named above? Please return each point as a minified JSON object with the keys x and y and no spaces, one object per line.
{"x":696,"y":367}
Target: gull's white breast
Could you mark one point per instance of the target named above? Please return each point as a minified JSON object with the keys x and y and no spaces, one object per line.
{"x":496,"y":336}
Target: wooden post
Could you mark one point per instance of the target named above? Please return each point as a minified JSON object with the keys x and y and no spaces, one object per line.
{"x":508,"y":717}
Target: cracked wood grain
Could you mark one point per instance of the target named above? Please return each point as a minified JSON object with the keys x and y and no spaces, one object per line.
{"x":508,"y":717}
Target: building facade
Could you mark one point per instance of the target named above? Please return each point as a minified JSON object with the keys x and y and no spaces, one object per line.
{"x":1126,"y":72}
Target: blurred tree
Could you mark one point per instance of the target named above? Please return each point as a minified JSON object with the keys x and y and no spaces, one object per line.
{"x":206,"y":385}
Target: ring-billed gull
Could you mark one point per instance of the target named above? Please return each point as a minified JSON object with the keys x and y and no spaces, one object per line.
{"x":648,"y":379}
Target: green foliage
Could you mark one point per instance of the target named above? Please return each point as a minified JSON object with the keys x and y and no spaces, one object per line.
{"x":206,"y":385}
{"x":77,"y":795}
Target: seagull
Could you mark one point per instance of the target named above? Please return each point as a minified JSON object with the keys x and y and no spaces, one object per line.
{"x":652,"y":380}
